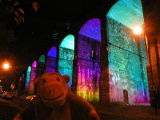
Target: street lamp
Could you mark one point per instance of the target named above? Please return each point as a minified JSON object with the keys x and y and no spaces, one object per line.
{"x":139,"y":31}
{"x":6,"y":66}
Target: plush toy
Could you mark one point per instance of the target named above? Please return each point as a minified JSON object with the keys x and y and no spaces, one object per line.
{"x":55,"y":101}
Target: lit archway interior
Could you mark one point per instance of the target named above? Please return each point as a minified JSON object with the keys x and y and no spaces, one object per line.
{"x":66,"y":56}
{"x":40,"y":66}
{"x":127,"y":53}
{"x":27,"y":78}
{"x":51,"y":59}
{"x":31,"y":89}
{"x":88,"y":60}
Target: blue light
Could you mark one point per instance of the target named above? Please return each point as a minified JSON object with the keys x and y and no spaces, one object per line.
{"x":27,"y":78}
{"x":52,"y":52}
{"x":51,"y":60}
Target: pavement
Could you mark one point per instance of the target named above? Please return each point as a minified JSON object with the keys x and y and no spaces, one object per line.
{"x":141,"y":112}
{"x":144,"y":112}
{"x":8,"y":110}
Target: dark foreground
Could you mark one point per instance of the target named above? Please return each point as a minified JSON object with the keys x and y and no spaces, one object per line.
{"x":9,"y":108}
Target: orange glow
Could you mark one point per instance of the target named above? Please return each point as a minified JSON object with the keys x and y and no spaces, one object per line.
{"x":137,"y":30}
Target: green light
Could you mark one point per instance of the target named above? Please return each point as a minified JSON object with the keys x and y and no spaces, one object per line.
{"x":41,"y":59}
{"x":66,"y":56}
{"x":68,"y":42}
{"x":127,"y":54}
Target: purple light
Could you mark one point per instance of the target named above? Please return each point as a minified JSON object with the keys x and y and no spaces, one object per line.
{"x":91,"y":29}
{"x":88,"y":62}
{"x":51,"y":59}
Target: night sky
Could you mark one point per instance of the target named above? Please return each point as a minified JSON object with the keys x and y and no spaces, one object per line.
{"x":34,"y":36}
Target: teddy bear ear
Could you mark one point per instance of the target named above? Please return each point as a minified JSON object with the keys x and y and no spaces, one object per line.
{"x":66,"y":77}
{"x":36,"y":80}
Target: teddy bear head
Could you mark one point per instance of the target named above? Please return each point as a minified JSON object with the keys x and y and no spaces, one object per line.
{"x":52,"y":88}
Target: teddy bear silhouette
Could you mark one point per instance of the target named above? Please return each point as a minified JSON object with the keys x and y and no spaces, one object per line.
{"x":55,"y":101}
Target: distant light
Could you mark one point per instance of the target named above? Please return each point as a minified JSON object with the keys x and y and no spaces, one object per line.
{"x":6,"y":66}
{"x":137,"y":30}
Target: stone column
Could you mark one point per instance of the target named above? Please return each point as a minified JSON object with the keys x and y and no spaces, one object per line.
{"x":104,"y":79}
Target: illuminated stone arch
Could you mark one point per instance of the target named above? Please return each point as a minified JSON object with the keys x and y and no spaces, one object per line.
{"x":27,"y":78}
{"x":66,"y":56}
{"x":88,"y":60}
{"x":31,"y":89}
{"x":41,"y":66}
{"x":127,"y":53}
{"x":51,"y":60}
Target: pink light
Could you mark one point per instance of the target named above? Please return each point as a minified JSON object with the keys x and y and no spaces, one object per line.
{"x":34,"y":64}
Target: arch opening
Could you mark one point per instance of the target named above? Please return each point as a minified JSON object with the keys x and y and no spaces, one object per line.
{"x":66,"y":57}
{"x":127,"y":52}
{"x":88,"y":61}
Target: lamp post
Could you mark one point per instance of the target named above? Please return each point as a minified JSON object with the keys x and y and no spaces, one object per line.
{"x":138,"y":31}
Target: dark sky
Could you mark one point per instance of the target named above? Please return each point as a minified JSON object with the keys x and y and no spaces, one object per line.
{"x":35,"y":34}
